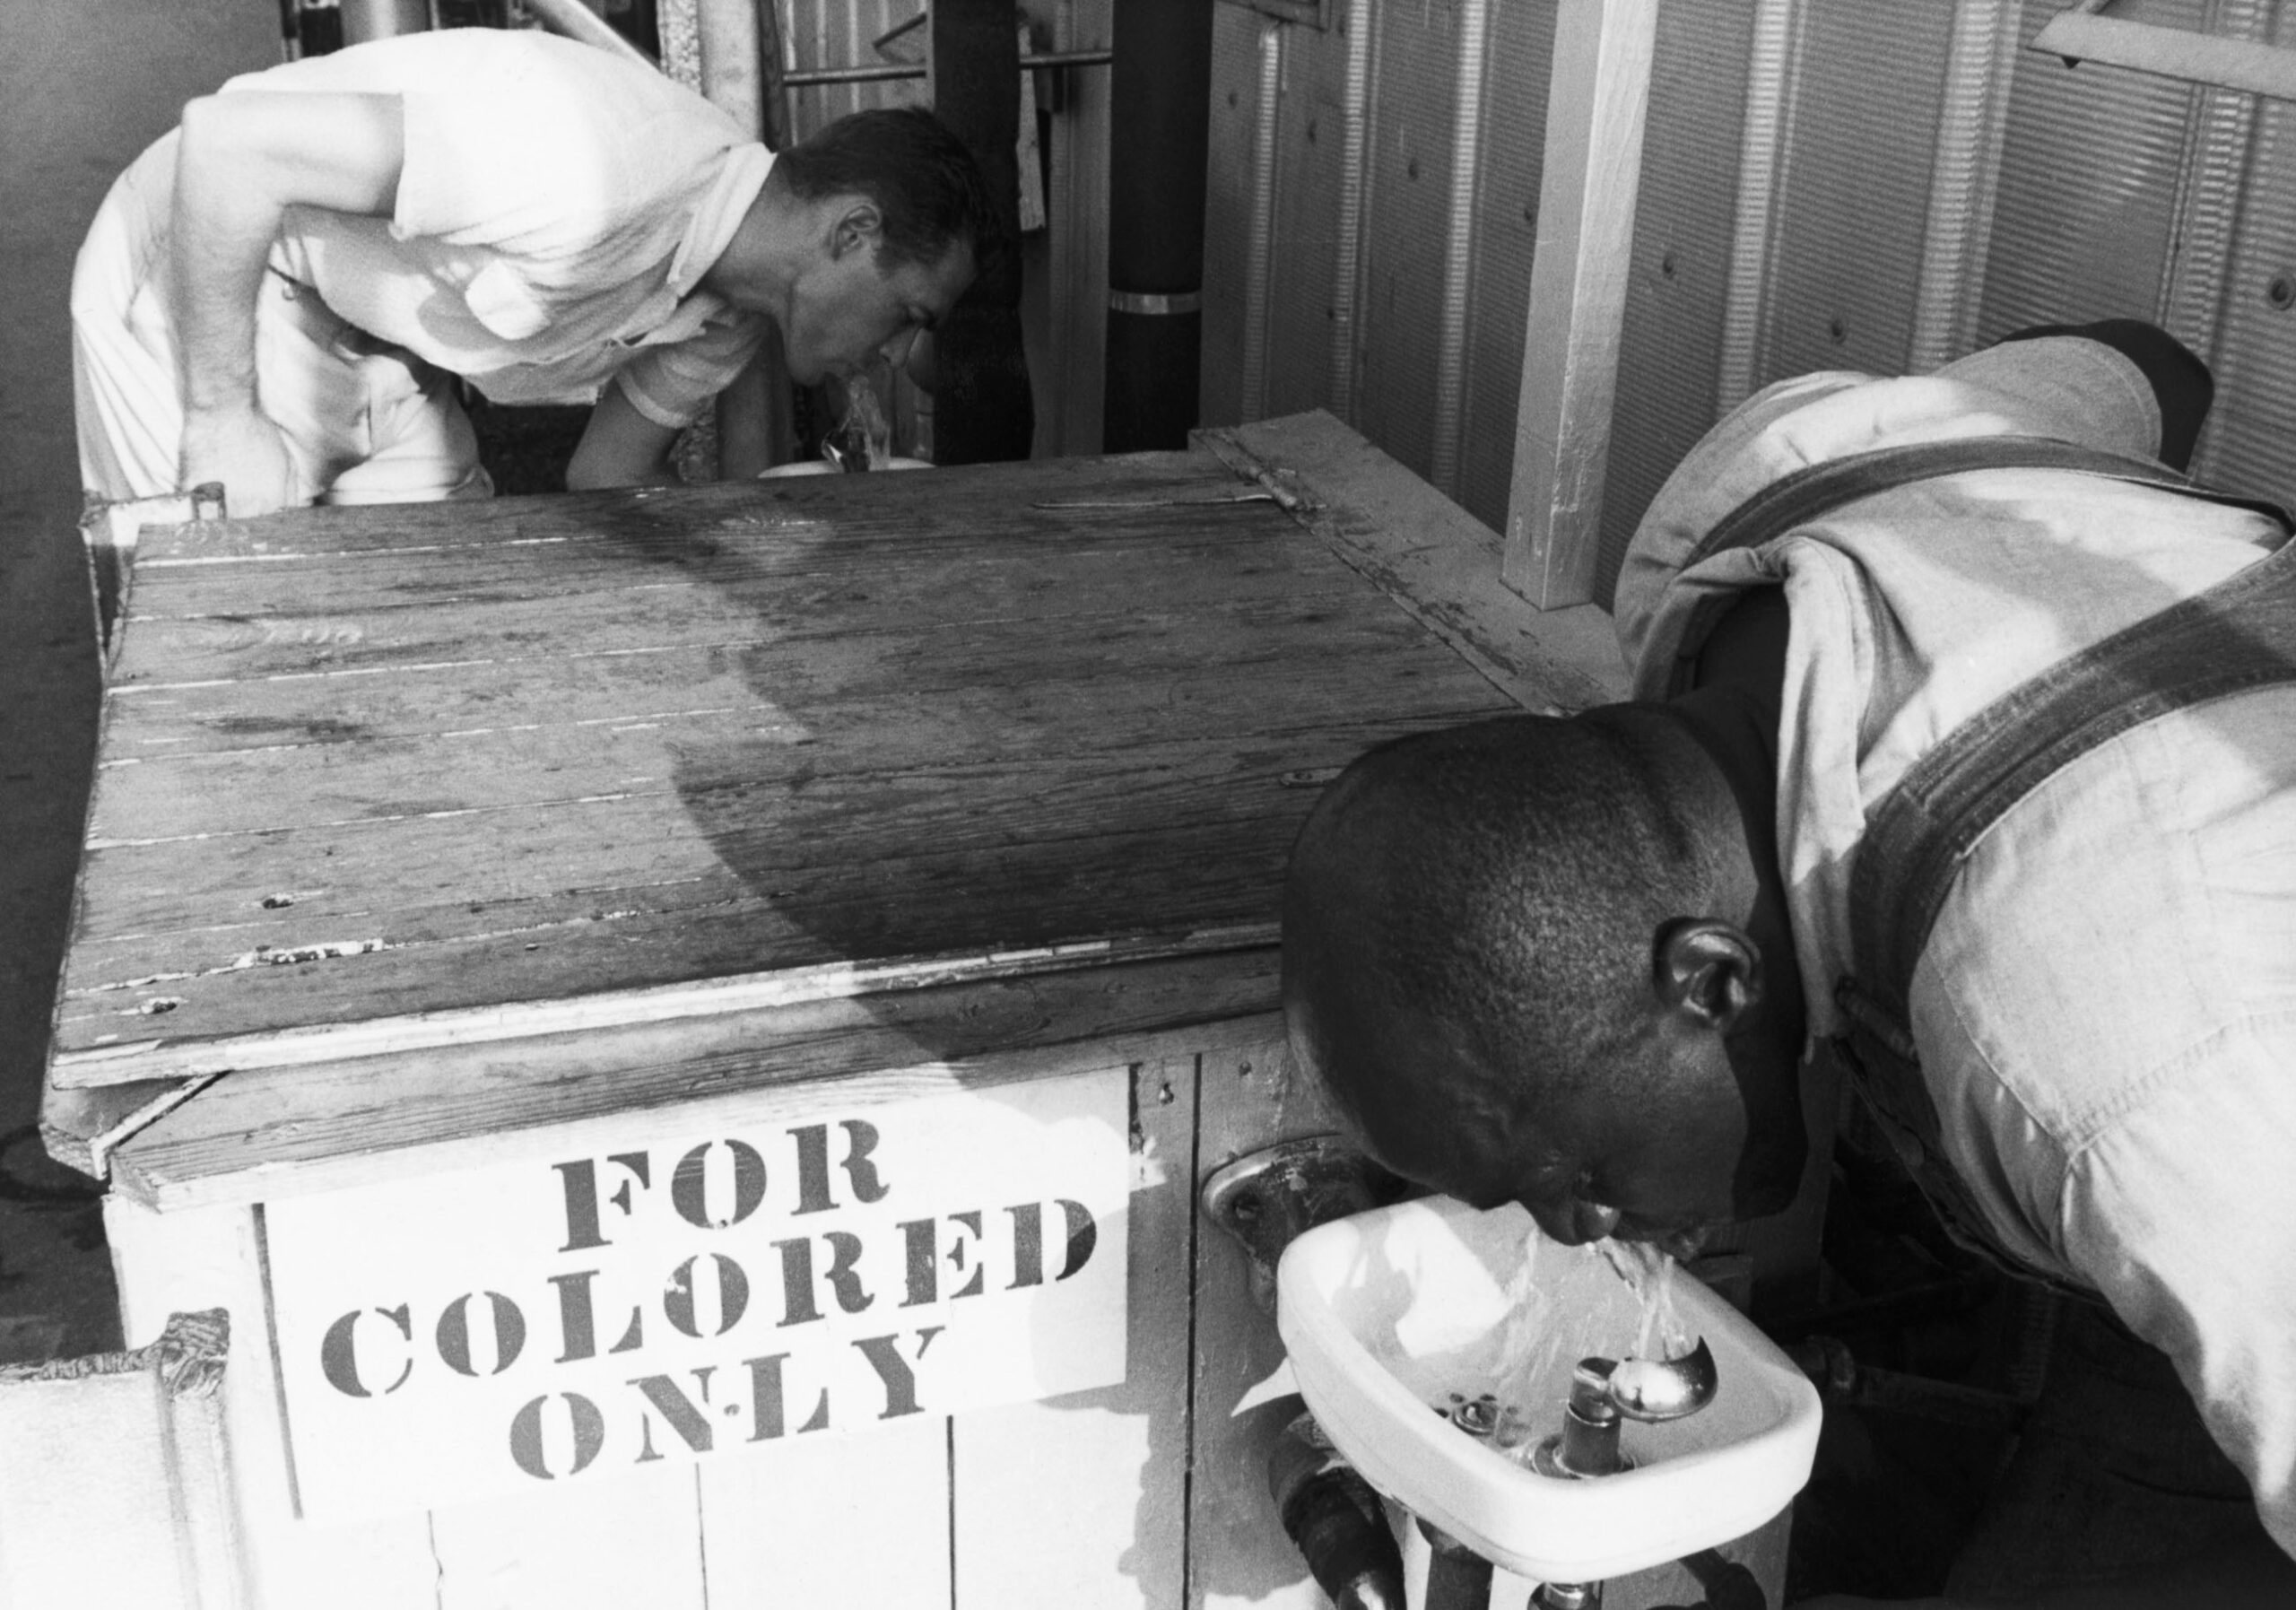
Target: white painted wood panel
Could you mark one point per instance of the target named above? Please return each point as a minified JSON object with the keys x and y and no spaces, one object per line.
{"x":633,"y":1539}
{"x":1079,"y":1500}
{"x":1238,"y":1555}
{"x":212,"y":1257}
{"x":857,"y":1520}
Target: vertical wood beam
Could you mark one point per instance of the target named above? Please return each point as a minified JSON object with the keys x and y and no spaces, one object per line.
{"x":1599,"y":91}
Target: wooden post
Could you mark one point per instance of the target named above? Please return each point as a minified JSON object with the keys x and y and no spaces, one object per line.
{"x":1600,"y":90}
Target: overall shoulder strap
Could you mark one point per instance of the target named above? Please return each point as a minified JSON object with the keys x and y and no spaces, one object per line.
{"x":2239,"y":634}
{"x":1818,"y":490}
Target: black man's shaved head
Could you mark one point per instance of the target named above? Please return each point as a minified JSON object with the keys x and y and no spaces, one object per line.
{"x":1485,"y":901}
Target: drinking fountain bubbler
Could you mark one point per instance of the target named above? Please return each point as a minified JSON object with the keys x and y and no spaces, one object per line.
{"x":1605,"y":1394}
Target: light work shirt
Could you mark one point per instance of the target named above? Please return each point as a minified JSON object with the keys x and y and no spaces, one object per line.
{"x":2106,"y":1008}
{"x":556,"y":210}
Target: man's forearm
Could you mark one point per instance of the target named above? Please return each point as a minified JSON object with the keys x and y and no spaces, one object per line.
{"x":220,"y":235}
{"x":243,"y":161}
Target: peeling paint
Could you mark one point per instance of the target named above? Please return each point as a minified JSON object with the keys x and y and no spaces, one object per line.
{"x":268,"y":955}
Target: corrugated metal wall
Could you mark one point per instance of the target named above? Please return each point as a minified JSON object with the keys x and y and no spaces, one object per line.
{"x":2085,"y":218}
{"x":1670,"y":352}
{"x":2114,"y":194}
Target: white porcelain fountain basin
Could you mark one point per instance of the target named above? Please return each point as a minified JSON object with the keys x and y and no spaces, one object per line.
{"x":1385,"y":1313}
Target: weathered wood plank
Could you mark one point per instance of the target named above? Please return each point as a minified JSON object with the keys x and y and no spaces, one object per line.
{"x":239,"y":618}
{"x":777,"y":681}
{"x":1589,"y":181}
{"x":256,"y":1135}
{"x":79,"y":1128}
{"x":746,"y":801}
{"x":1238,"y":1552}
{"x":378,"y":759}
{"x":341,"y":530}
{"x":1108,"y":1470}
{"x":215,"y":1258}
{"x":539,"y":952}
{"x":1437,"y":561}
{"x":1105,"y":753}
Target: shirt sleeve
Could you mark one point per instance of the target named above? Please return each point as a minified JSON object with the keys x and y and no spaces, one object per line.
{"x":2184,"y":1214}
{"x":2182,"y":387}
{"x":672,"y":385}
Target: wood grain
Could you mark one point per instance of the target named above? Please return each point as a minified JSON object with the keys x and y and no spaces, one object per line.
{"x":259,"y":1136}
{"x":361,"y":767}
{"x":1588,"y":182}
{"x":1438,"y":562}
{"x":1251,"y":1098}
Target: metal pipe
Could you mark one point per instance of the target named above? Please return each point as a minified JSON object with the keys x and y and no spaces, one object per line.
{"x":576,"y":20}
{"x":1161,"y":104}
{"x":1761,"y":148}
{"x":1261,"y":252}
{"x":364,"y":20}
{"x":986,"y":406}
{"x":1962,"y":171}
{"x":1354,"y":196}
{"x":1334,"y":1519}
{"x":1458,"y":251}
{"x":881,"y":72}
{"x":1458,"y":1577}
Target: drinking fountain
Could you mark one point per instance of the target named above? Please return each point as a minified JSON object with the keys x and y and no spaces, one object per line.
{"x":1517,"y":1396}
{"x":1509,"y":1392}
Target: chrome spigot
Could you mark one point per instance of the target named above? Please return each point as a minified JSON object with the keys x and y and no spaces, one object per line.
{"x":1607,"y":1392}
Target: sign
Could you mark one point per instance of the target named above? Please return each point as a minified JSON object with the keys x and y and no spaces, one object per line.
{"x":532,"y":1325}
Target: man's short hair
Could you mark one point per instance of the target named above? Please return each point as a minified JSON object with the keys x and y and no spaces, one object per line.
{"x":926,"y":184}
{"x":1500,"y":886}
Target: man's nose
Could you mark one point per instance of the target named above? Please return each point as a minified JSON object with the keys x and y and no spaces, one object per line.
{"x":896,"y":350}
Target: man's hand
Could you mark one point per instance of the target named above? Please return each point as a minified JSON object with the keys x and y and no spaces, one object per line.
{"x":246,"y":452}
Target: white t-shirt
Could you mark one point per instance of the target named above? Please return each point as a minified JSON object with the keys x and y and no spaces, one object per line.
{"x":2106,"y":1008}
{"x":557,"y":208}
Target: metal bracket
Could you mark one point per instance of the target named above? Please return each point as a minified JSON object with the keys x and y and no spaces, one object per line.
{"x":1264,"y":1198}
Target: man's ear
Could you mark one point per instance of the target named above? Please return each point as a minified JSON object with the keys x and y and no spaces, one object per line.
{"x":859,"y":227}
{"x":1707,"y":969}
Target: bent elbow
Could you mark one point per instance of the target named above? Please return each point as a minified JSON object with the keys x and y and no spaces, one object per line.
{"x":204,"y":123}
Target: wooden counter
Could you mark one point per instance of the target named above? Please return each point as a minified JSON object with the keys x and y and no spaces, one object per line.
{"x":444,"y":853}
